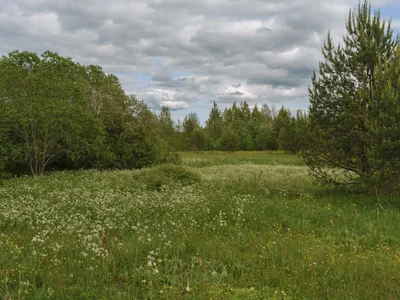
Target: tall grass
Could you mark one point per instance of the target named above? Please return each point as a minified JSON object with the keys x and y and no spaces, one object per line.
{"x":242,"y":229}
{"x":216,"y":158}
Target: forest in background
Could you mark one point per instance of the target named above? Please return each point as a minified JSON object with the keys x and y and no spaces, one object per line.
{"x":57,"y":114}
{"x":238,"y":127}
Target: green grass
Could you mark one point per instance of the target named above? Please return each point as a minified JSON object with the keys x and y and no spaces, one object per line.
{"x":233,"y":226}
{"x":216,"y":158}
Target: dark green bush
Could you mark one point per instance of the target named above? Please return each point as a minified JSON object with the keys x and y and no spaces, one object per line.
{"x":168,"y":174}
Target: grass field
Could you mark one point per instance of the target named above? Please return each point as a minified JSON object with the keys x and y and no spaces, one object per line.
{"x":246,"y":225}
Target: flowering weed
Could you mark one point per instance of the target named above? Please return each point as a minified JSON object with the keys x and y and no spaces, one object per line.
{"x":219,"y":231}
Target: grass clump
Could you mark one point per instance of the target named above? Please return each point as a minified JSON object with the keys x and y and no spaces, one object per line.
{"x":167,"y":175}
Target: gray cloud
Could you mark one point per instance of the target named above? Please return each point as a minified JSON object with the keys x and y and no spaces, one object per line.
{"x":162,"y":76}
{"x":229,"y":50}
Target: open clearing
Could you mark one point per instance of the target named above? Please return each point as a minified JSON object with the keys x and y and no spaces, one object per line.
{"x":246,"y":225}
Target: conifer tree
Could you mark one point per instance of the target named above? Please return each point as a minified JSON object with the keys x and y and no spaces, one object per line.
{"x":214,"y":126}
{"x":342,"y":142}
{"x":280,"y":123}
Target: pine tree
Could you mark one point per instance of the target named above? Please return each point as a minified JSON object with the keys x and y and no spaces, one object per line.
{"x":384,"y":122}
{"x":280,"y":123}
{"x":342,"y":143}
{"x":293,"y":137}
{"x":214,"y":126}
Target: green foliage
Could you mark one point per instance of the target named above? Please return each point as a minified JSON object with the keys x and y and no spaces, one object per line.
{"x":190,"y":123}
{"x":281,"y":122}
{"x":293,"y":137}
{"x":168,"y":174}
{"x":190,"y":126}
{"x":169,"y":133}
{"x":198,"y":140}
{"x":344,"y":142}
{"x":45,"y":97}
{"x":384,"y":123}
{"x":214,"y":127}
{"x":243,"y":124}
{"x":133,"y":132}
{"x":229,"y":141}
{"x":57,"y":114}
{"x":236,"y":128}
{"x":265,"y":139}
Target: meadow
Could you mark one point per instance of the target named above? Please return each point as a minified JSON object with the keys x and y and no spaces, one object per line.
{"x":243,"y":225}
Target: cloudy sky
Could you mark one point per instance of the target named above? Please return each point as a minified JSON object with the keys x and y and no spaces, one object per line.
{"x":188,"y":53}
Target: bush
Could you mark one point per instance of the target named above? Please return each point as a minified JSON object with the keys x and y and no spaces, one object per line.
{"x":168,"y":174}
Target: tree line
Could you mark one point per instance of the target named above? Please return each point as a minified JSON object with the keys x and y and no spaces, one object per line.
{"x":238,"y":127}
{"x":58,"y":114}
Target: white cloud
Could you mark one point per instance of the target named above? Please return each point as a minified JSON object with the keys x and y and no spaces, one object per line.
{"x":254,"y":50}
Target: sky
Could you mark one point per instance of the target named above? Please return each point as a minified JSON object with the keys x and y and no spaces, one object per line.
{"x":186,"y":54}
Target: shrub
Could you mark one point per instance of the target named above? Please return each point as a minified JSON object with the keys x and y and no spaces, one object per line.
{"x":168,"y":174}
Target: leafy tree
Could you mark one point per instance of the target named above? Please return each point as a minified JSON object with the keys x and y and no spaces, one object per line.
{"x":180,"y":140}
{"x":109,"y":103}
{"x":348,"y":98}
{"x":166,"y":122}
{"x":189,"y":125}
{"x":238,"y":119}
{"x":135,"y":136}
{"x":229,"y":141}
{"x":267,"y":115}
{"x":44,"y":111}
{"x":135,"y":146}
{"x":168,"y":131}
{"x":265,"y":139}
{"x":55,"y":113}
{"x":253,"y":127}
{"x":198,"y":139}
